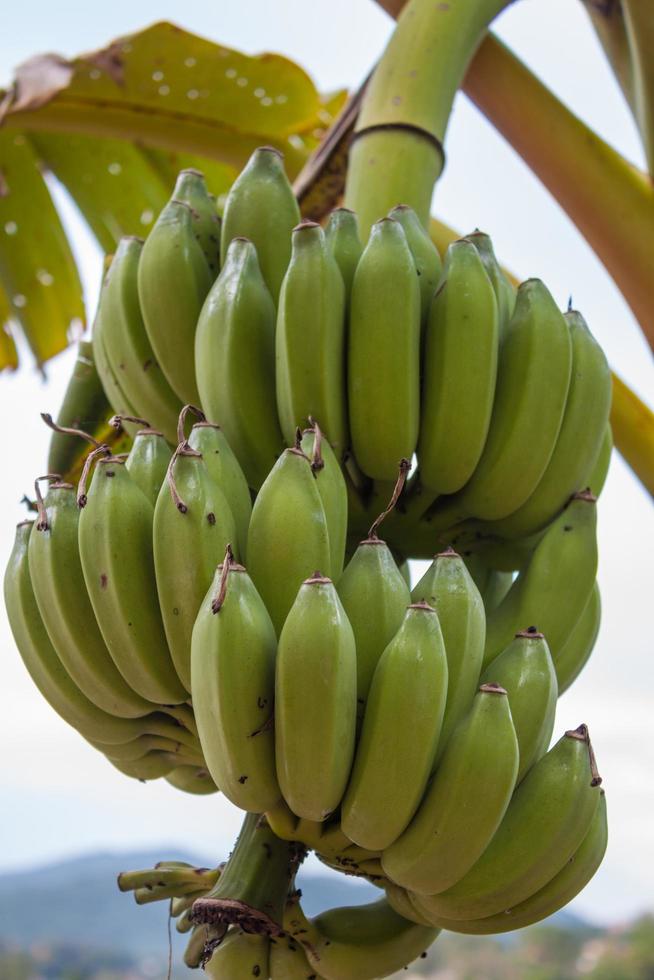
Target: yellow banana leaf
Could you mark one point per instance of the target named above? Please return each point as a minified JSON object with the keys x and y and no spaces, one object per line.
{"x":115,"y":127}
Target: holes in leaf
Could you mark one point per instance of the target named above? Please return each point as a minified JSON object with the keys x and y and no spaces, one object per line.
{"x":115,"y":169}
{"x":157,"y":76}
{"x":192,"y":93}
{"x":164,"y":90}
{"x":45,"y":278}
{"x":190,"y":62}
{"x":147,"y":216}
{"x":11,"y":227}
{"x":19,"y":301}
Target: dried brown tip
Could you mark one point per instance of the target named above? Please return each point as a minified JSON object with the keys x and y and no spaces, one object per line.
{"x":448,"y":553}
{"x":219,"y":598}
{"x":532,"y":633}
{"x":317,"y":579}
{"x":582,"y":734}
{"x":422,"y":606}
{"x":192,"y":170}
{"x":116,"y":421}
{"x":305,"y":225}
{"x":587,"y":495}
{"x":188,"y":410}
{"x":66,"y":431}
{"x":317,"y":462}
{"x":492,"y":688}
{"x":42,"y":517}
{"x":183,"y":449}
{"x":86,"y":469}
{"x":404,"y":469}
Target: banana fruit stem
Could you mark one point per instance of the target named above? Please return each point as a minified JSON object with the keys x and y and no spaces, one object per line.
{"x":251,"y":892}
{"x":397,"y":153}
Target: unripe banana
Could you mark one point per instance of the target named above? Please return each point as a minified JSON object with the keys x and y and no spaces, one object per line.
{"x":110,"y":383}
{"x":460,"y":368}
{"x":561,"y":889}
{"x":193,"y":524}
{"x":532,"y":386}
{"x":233,"y":684}
{"x":128,"y":346}
{"x":315,"y":701}
{"x":261,"y":206}
{"x":449,"y":588}
{"x":240,"y":956}
{"x":235,"y":361}
{"x":173,"y":282}
{"x":342,"y":237}
{"x":498,"y":585}
{"x":552,"y":590}
{"x":465,"y":802}
{"x":287,"y":960}
{"x":192,"y":779}
{"x":360,"y":942}
{"x":84,"y":407}
{"x":47,"y":671}
{"x":425,"y":255}
{"x":147,"y":745}
{"x":384,"y":353}
{"x":401,"y":729}
{"x":191,"y":189}
{"x":504,"y":291}
{"x":224,"y":469}
{"x":148,"y":461}
{"x":288,"y":536}
{"x":332,"y":490}
{"x":310,"y":340}
{"x":526,"y":671}
{"x":576,"y":650}
{"x":375,"y":596}
{"x":580,"y":437}
{"x":154,"y":765}
{"x":595,"y":478}
{"x":58,"y":582}
{"x":546,"y":821}
{"x":399,"y":899}
{"x":115,"y":546}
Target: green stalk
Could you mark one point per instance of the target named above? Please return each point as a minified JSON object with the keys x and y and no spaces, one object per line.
{"x":397,"y":153}
{"x":251,"y":891}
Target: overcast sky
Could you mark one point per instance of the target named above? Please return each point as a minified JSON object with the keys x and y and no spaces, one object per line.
{"x":60,"y":797}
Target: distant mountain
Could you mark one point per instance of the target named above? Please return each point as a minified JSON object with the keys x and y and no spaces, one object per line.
{"x":77,"y":901}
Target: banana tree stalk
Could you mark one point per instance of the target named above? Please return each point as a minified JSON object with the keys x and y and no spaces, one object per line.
{"x":632,"y":421}
{"x":397,"y":151}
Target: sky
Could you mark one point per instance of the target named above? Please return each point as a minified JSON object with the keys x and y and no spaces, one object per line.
{"x":58,"y":796}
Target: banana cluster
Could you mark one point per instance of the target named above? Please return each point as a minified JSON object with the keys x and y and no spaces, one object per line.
{"x":266,"y":320}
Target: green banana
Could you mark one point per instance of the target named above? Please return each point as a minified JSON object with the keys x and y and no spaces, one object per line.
{"x":235,"y":361}
{"x":261,"y":206}
{"x":399,"y":899}
{"x":239,"y":956}
{"x":193,"y":524}
{"x":551,"y":591}
{"x":449,"y":588}
{"x":342,"y":237}
{"x":154,"y":765}
{"x":375,"y":595}
{"x":173,"y":282}
{"x":140,"y":746}
{"x":561,"y":889}
{"x":580,"y":437}
{"x":315,"y":701}
{"x":546,"y":821}
{"x":384,"y":353}
{"x":526,"y":671}
{"x":287,"y":960}
{"x":333,"y":492}
{"x":84,"y":406}
{"x":576,"y":650}
{"x":360,"y":942}
{"x":148,"y":458}
{"x":108,"y":378}
{"x":401,"y":729}
{"x":191,"y":779}
{"x":310,"y":340}
{"x":595,"y":478}
{"x":224,"y":469}
{"x":533,"y":378}
{"x":425,"y":255}
{"x":233,"y":653}
{"x":47,"y":671}
{"x":465,"y":802}
{"x":460,"y":369}
{"x":497,"y":587}
{"x":505,"y":294}
{"x":190,"y":188}
{"x":115,"y":546}
{"x":58,"y":583}
{"x":128,"y":347}
{"x":288,"y":535}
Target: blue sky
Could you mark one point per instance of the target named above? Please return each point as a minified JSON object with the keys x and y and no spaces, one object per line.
{"x":58,"y":796}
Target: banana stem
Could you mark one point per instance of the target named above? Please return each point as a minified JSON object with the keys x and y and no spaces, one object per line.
{"x":640,"y":34}
{"x":609,"y":23}
{"x":251,"y":892}
{"x":609,"y":200}
{"x":397,"y":153}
